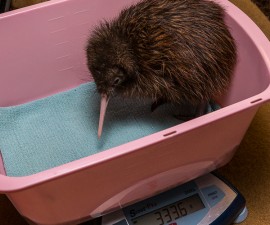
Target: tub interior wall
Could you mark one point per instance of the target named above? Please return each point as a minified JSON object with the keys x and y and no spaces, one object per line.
{"x":50,"y":54}
{"x":251,"y":76}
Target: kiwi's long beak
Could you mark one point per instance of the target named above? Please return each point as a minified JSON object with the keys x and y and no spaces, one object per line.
{"x":103,"y":106}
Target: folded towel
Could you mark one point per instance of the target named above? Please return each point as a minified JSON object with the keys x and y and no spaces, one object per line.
{"x":63,"y":127}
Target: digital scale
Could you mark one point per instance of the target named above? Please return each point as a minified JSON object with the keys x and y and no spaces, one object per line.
{"x":203,"y":201}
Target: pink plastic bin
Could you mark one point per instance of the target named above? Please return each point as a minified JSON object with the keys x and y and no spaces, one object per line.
{"x":42,"y":53}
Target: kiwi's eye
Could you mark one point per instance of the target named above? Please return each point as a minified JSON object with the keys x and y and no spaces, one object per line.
{"x":117,"y":81}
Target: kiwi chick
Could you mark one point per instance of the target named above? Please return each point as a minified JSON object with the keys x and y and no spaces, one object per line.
{"x":177,"y":51}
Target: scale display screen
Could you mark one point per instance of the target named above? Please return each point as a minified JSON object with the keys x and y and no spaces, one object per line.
{"x":171,"y":212}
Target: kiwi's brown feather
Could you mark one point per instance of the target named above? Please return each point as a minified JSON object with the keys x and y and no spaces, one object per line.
{"x":176,"y":50}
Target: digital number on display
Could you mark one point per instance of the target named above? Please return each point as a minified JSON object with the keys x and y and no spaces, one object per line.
{"x":171,"y":212}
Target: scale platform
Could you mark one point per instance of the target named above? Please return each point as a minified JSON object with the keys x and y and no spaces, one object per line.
{"x":207,"y":200}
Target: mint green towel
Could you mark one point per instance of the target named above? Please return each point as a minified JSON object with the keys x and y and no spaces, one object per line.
{"x":61,"y":128}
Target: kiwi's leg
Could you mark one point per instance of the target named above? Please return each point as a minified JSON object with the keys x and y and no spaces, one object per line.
{"x":157,"y":103}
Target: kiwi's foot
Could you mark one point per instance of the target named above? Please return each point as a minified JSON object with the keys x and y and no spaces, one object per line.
{"x":190,"y":114}
{"x":201,"y":109}
{"x":184,"y":118}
